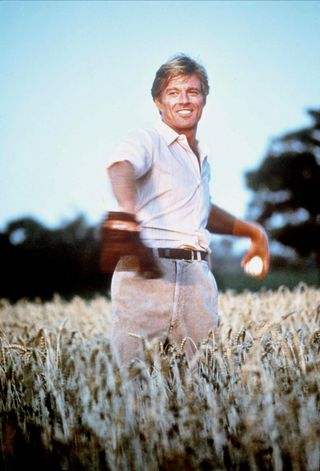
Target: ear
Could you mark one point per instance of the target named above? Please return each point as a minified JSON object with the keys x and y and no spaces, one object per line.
{"x":158,"y":104}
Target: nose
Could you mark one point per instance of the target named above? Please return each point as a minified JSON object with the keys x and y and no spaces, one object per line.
{"x":183,"y":97}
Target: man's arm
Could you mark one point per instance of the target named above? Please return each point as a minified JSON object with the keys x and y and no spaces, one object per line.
{"x":121,"y":229}
{"x":123,"y":184}
{"x":222,"y":222}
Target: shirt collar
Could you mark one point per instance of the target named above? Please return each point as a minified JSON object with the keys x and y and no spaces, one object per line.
{"x":166,"y":132}
{"x":170,"y":136}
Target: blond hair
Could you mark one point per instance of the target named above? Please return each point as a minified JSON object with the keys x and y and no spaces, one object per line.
{"x":180,"y":64}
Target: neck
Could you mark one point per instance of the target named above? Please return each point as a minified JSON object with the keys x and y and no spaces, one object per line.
{"x":192,"y":139}
{"x":193,"y":143}
{"x":190,"y":134}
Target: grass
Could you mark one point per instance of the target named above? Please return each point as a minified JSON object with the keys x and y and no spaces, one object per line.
{"x":238,"y":281}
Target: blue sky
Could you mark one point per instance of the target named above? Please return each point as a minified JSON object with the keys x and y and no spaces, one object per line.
{"x":76,"y":76}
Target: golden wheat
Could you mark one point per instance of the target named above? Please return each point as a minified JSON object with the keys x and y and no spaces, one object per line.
{"x":247,"y":400}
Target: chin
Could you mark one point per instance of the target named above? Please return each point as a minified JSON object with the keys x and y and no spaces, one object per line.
{"x":187,"y":126}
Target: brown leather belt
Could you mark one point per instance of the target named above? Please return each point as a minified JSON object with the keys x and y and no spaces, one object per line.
{"x":181,"y":254}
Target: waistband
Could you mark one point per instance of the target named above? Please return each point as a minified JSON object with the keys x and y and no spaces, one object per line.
{"x":181,"y":254}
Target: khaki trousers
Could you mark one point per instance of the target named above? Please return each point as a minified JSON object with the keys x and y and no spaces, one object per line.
{"x":181,"y":305}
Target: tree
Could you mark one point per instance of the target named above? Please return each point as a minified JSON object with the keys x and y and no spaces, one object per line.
{"x":37,"y":261}
{"x":287,"y":189}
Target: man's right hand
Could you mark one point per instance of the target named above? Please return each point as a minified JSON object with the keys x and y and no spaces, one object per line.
{"x":120,"y":233}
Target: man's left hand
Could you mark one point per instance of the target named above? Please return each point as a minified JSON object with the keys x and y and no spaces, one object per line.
{"x":259,"y":247}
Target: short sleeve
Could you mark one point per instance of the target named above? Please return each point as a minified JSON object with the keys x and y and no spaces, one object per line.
{"x":136,"y":147}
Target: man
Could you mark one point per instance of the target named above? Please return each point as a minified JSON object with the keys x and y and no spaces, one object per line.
{"x":160,"y":178}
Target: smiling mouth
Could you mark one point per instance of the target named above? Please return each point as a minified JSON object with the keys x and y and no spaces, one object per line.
{"x":184,"y":112}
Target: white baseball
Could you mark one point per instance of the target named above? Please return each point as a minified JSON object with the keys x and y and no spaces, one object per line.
{"x":254,"y":267}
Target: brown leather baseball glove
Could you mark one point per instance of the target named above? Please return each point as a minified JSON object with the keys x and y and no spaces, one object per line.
{"x":120,"y":236}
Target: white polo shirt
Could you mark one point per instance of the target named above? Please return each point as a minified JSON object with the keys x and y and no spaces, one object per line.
{"x":173,"y":198}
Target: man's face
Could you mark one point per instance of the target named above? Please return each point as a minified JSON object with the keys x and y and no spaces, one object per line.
{"x":181,"y":103}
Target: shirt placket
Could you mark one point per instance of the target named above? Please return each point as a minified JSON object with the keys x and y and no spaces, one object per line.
{"x":196,"y":163}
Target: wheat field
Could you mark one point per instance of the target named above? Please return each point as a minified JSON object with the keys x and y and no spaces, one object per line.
{"x":248,"y":400}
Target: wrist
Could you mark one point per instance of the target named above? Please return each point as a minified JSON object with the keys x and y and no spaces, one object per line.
{"x":258,"y":231}
{"x":128,"y":209}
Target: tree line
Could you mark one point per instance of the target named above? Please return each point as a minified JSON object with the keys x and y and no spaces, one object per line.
{"x":37,"y":261}
{"x":286,"y":190}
